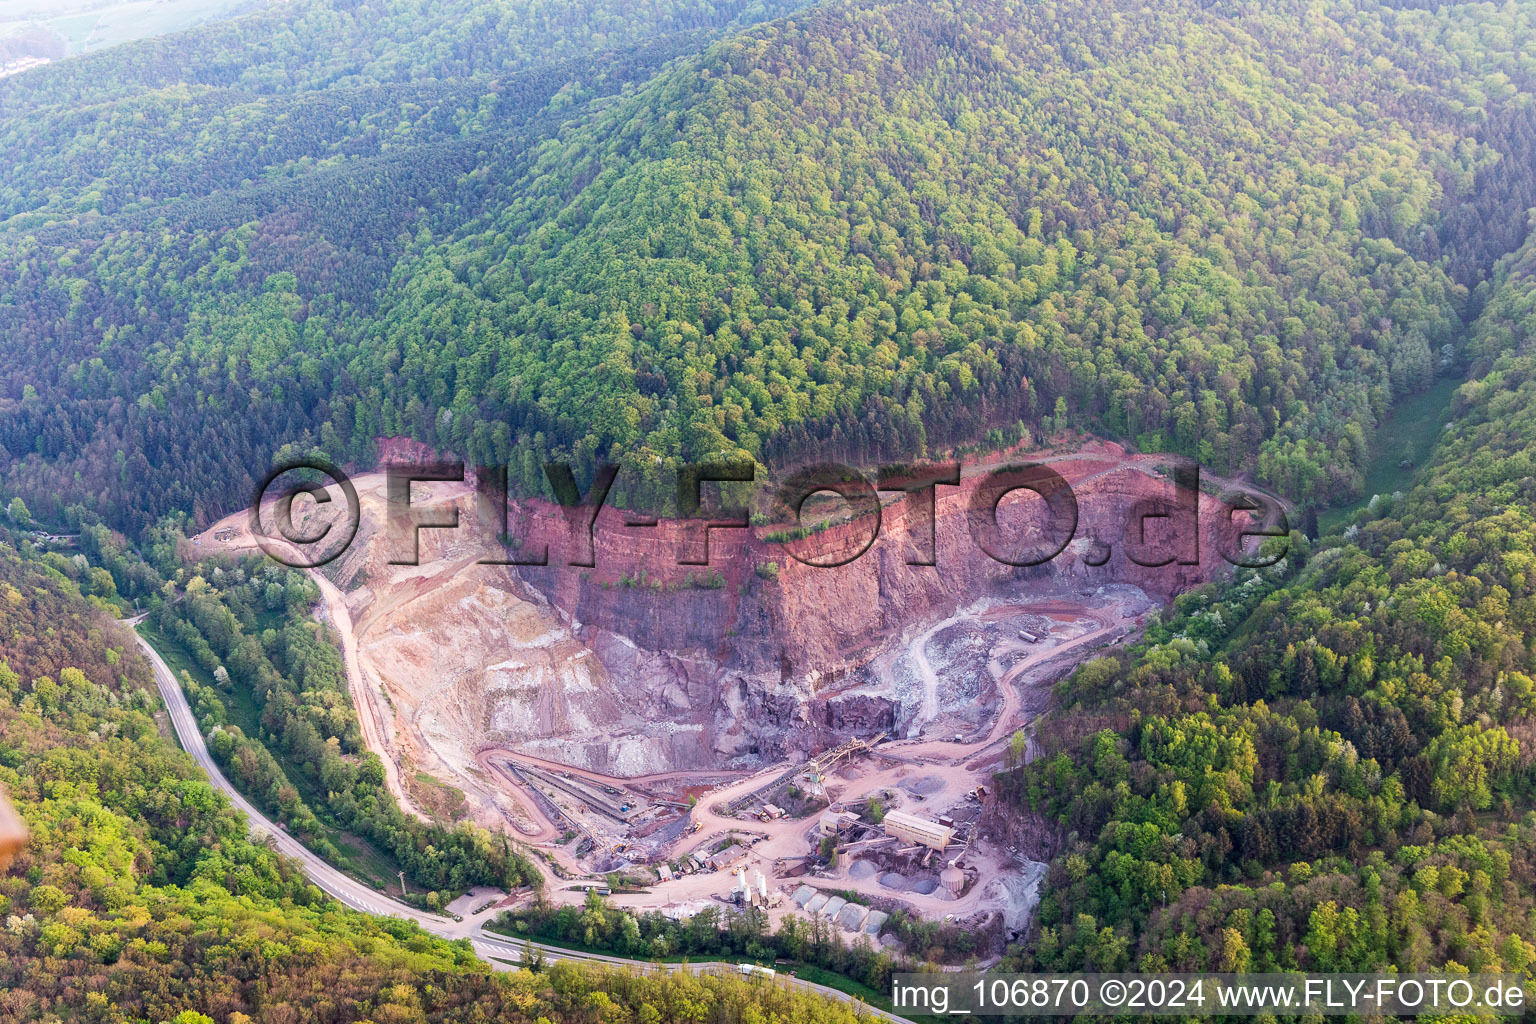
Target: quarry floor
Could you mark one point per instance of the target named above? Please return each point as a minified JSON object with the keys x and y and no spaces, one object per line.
{"x":922,"y":771}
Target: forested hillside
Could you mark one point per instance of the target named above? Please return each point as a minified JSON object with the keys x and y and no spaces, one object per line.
{"x":193,"y":228}
{"x":857,"y":230}
{"x":869,"y":231}
{"x":1330,"y":766}
{"x":1236,"y":231}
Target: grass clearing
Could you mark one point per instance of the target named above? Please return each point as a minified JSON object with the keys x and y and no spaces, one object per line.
{"x":822,"y":976}
{"x":1403,"y":443}
{"x":89,"y":25}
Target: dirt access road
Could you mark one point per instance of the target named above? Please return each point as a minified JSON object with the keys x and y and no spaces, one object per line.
{"x":373,"y":714}
{"x":958,"y":766}
{"x":497,"y":950}
{"x":1008,"y":719}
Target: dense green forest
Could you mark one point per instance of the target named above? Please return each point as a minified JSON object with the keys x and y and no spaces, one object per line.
{"x":671,"y":230}
{"x":712,"y":933}
{"x":141,"y":897}
{"x":651,"y":232}
{"x":1329,"y":764}
{"x":193,"y":228}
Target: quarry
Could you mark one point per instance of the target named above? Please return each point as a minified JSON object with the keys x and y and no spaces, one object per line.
{"x":798,"y":739}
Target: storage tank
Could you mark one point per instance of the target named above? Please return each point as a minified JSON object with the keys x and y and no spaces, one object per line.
{"x":952,"y":879}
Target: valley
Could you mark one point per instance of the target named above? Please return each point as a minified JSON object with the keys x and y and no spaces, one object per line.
{"x":648,"y":270}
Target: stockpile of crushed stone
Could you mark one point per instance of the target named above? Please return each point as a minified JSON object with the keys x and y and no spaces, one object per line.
{"x":925,"y":785}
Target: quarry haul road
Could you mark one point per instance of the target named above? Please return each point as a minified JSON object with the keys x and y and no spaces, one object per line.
{"x":495,"y":949}
{"x":369,"y":718}
{"x":960,"y":766}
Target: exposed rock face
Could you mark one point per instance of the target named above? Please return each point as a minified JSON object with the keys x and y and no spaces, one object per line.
{"x":639,"y":665}
{"x":746,"y":665}
{"x":469,"y":658}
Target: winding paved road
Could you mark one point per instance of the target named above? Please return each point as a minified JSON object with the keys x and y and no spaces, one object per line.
{"x":497,"y":950}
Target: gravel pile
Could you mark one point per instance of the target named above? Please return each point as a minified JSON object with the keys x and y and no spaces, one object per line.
{"x":925,"y":785}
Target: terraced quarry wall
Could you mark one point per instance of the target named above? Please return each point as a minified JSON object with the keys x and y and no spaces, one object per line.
{"x":639,"y":665}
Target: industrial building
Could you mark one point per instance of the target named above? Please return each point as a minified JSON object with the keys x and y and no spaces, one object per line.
{"x":832,"y":823}
{"x":912,"y":829}
{"x":753,"y":894}
{"x":727,"y":858}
